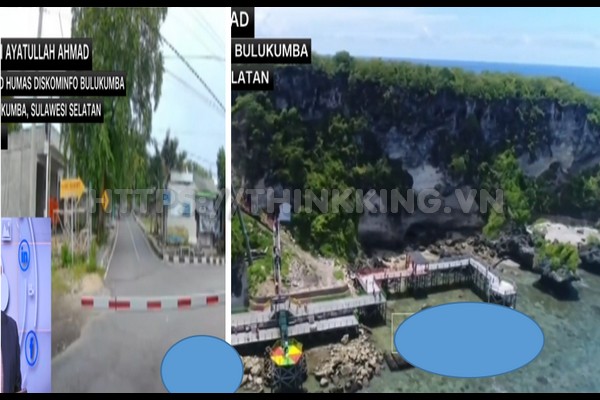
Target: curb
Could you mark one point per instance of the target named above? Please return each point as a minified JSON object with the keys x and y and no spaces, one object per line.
{"x":175,"y":259}
{"x":153,"y":245}
{"x":106,"y":256}
{"x":152,"y":303}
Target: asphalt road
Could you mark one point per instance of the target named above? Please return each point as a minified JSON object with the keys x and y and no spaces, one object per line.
{"x":135,"y":270}
{"x":122,"y":351}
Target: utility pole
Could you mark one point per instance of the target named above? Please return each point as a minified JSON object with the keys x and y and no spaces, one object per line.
{"x":48,"y":129}
{"x":32,"y":152}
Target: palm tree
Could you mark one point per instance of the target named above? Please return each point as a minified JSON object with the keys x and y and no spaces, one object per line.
{"x":172,"y":160}
{"x":156,"y":179}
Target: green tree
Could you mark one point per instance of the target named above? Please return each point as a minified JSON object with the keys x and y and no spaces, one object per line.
{"x":458,"y":165}
{"x":155,"y":178}
{"x":561,"y":256}
{"x":343,"y":62}
{"x":172,"y":160}
{"x":13,"y":127}
{"x":238,"y":250}
{"x":506,"y":175}
{"x":128,"y":40}
{"x":495,"y":223}
{"x":197,"y":169}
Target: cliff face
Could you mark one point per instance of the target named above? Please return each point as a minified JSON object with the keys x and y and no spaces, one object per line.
{"x":417,"y":127}
{"x":426,"y":129}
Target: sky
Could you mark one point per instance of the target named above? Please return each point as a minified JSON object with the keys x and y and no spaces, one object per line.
{"x":544,"y":36}
{"x":185,"y":106}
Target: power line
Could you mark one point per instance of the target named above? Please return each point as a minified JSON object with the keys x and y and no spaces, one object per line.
{"x":186,"y":24}
{"x":187,"y":64}
{"x":208,"y":165}
{"x":198,"y":57}
{"x":202,"y":159}
{"x":195,"y":91}
{"x":188,"y":132}
{"x":209,"y":28}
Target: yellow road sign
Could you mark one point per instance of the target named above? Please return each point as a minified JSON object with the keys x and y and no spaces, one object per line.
{"x":105,"y":201}
{"x":71,"y":188}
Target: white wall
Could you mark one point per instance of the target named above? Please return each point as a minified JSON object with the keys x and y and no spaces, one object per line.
{"x":183,"y":191}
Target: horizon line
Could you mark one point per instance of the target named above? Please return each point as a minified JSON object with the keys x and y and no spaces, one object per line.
{"x":433,"y":59}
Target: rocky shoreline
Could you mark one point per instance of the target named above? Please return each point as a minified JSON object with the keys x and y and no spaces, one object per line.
{"x":344,"y":367}
{"x":254,"y":374}
{"x":352,"y":364}
{"x":516,"y":244}
{"x":590,"y":258}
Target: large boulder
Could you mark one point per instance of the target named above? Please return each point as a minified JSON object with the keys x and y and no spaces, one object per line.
{"x":517,"y":244}
{"x":590,"y":258}
{"x":559,"y":282}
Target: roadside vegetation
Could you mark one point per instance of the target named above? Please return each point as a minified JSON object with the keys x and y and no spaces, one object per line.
{"x":261,"y":243}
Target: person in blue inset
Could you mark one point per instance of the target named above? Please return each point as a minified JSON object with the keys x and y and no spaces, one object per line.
{"x":10,"y":378}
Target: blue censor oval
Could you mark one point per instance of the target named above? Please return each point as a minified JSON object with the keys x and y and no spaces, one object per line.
{"x":202,"y":364}
{"x":469,"y":340}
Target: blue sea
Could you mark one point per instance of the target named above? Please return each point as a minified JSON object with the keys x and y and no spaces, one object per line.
{"x":584,"y":78}
{"x":569,"y":361}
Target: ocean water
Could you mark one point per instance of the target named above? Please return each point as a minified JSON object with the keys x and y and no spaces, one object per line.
{"x":585,"y":78}
{"x":569,"y":361}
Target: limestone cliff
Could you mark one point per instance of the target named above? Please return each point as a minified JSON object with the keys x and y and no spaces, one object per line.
{"x":428,"y":124}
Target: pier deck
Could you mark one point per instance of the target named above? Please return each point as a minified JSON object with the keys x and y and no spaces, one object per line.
{"x":305,"y":318}
{"x":318,"y":310}
{"x":370,"y":281}
{"x":272,"y":334}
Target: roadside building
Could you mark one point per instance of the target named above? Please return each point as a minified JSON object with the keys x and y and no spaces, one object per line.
{"x":207,"y":218}
{"x":182,"y":190}
{"x":193,"y":208}
{"x":24,"y":171}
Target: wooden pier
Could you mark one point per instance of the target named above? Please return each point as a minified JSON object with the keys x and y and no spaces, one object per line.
{"x":298,"y":329}
{"x":423,"y":276}
{"x":306,"y":318}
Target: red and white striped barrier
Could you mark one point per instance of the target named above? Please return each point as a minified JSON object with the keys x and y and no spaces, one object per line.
{"x":152,"y":303}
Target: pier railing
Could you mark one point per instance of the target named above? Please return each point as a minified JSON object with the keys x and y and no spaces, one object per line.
{"x":305,"y":318}
{"x":496,"y":284}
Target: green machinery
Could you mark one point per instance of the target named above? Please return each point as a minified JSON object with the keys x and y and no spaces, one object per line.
{"x":286,"y":358}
